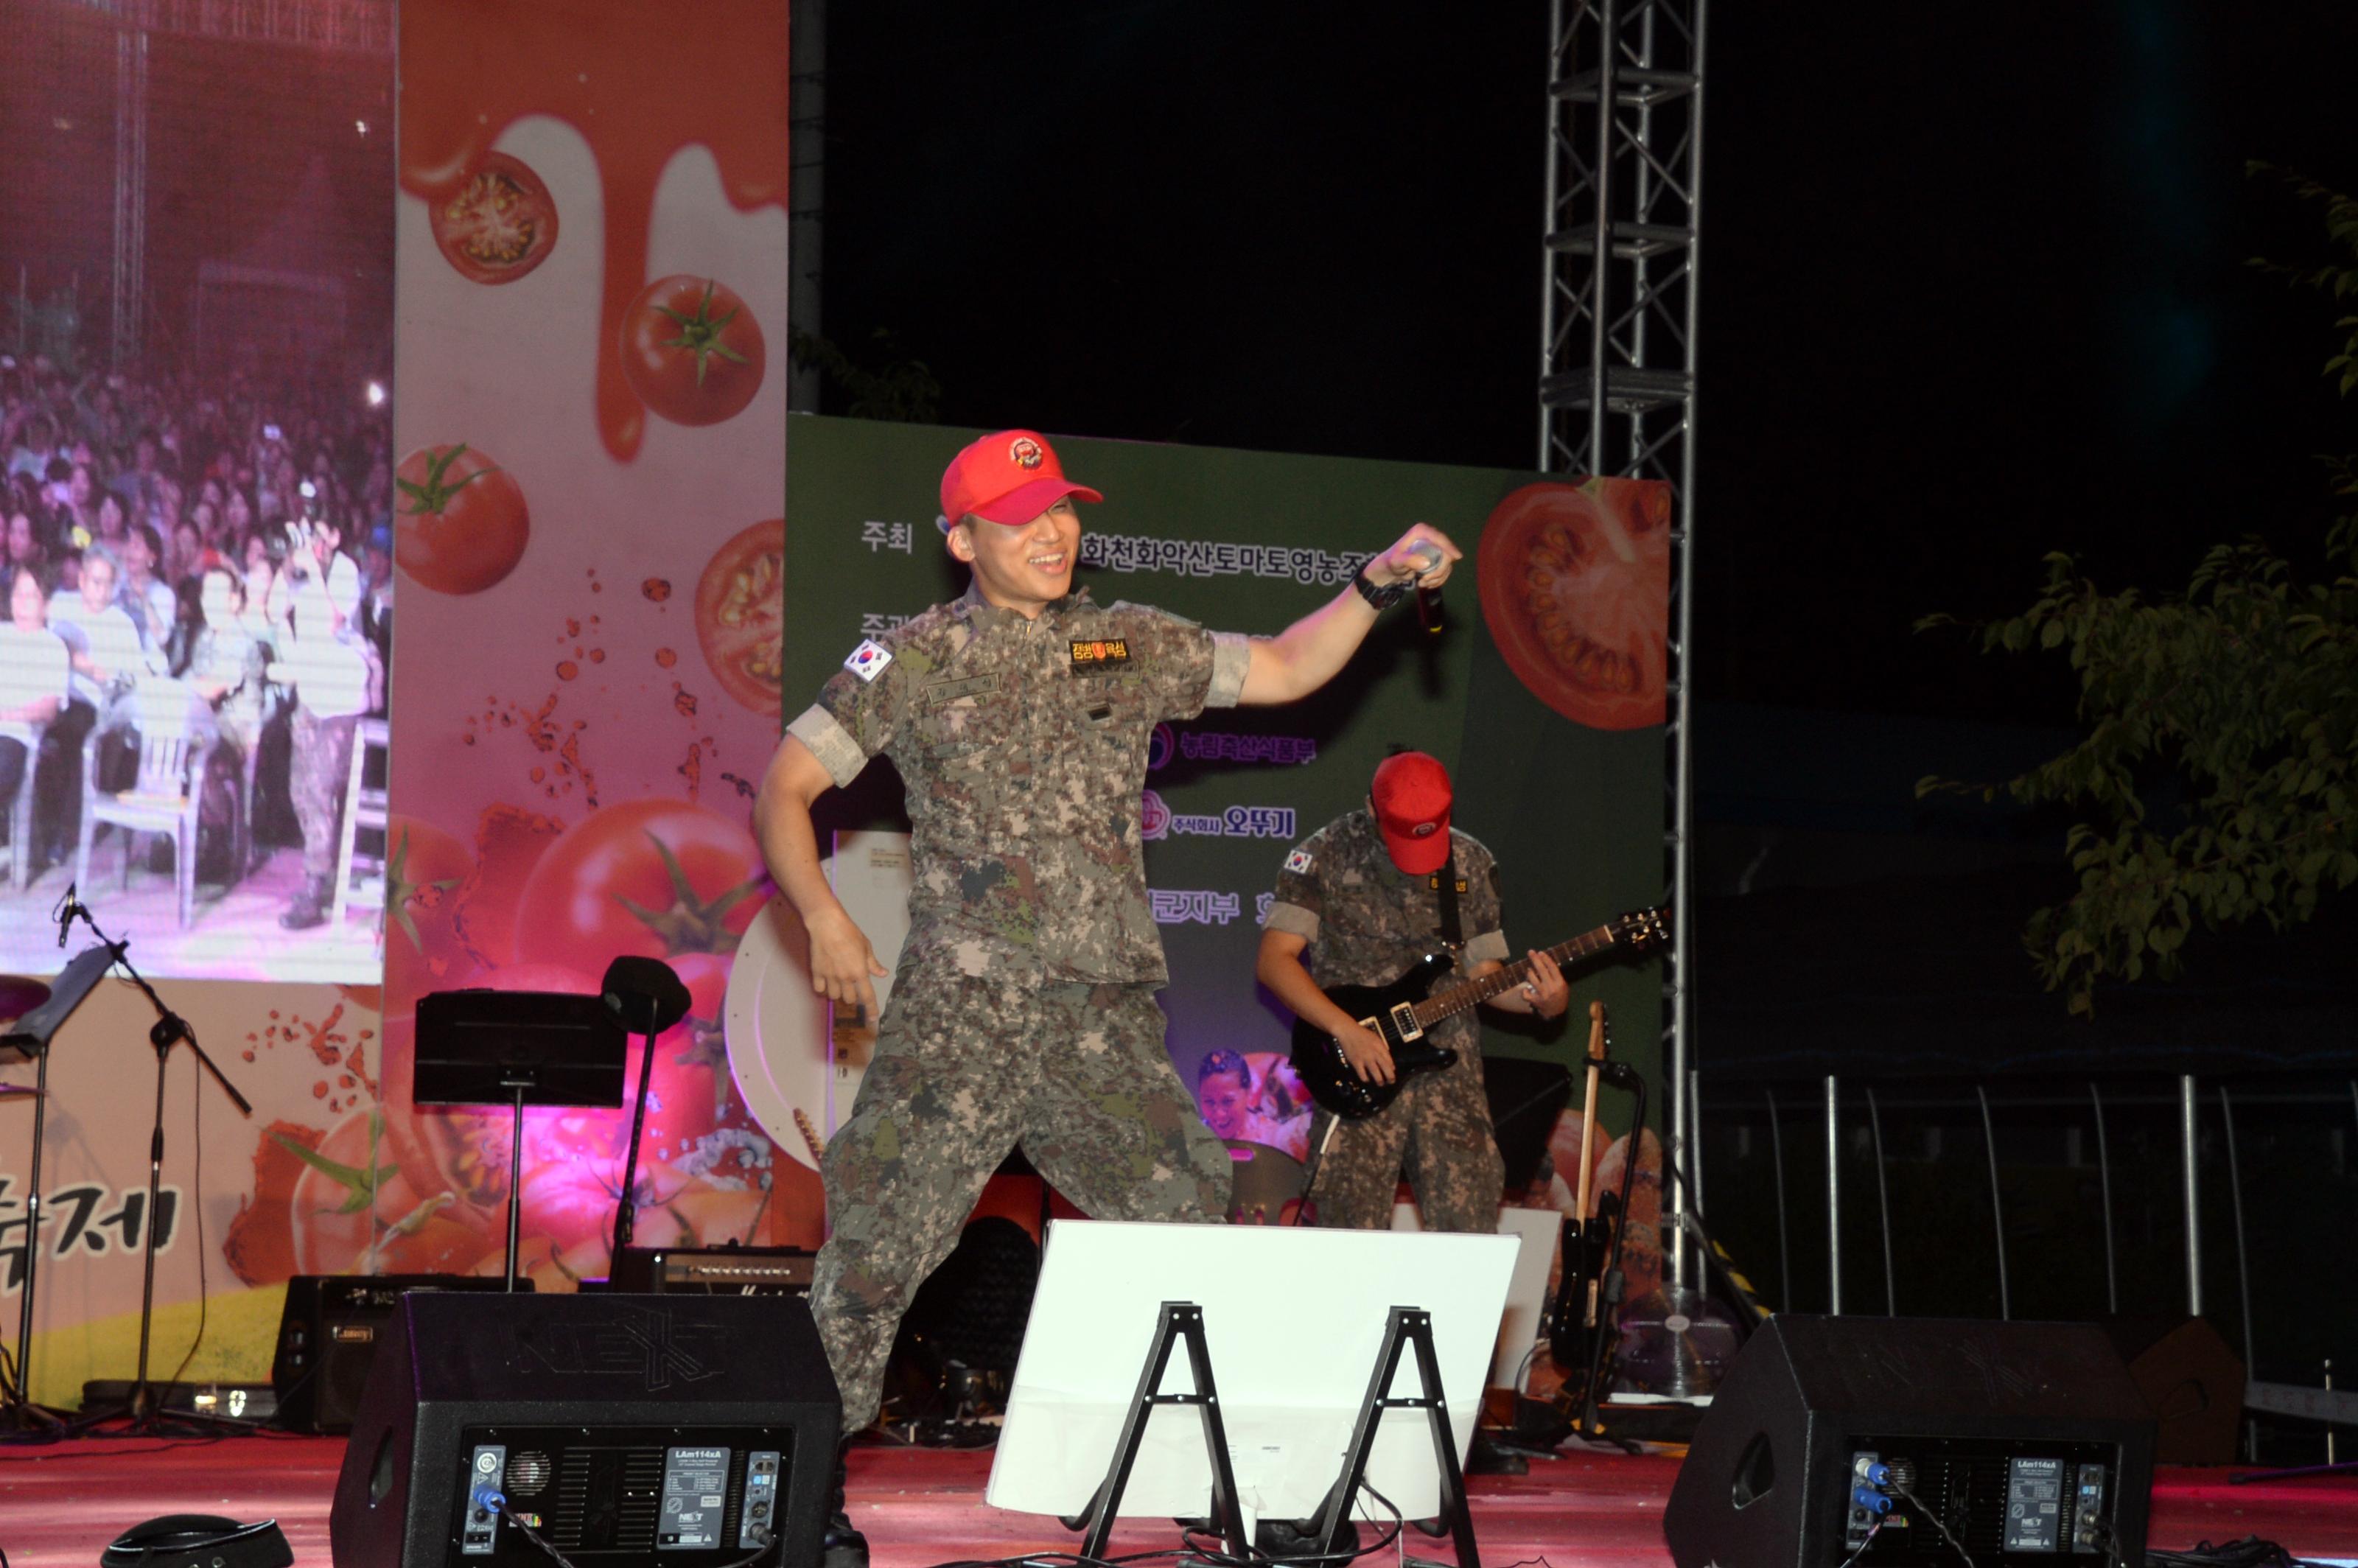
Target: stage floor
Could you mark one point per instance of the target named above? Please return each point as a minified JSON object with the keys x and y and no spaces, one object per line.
{"x":61,"y":1505}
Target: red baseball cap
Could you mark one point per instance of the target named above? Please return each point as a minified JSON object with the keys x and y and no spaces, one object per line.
{"x":1410,"y":795}
{"x":1010,"y":478}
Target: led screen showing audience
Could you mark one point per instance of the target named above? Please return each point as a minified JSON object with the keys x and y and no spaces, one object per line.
{"x":197,"y":499}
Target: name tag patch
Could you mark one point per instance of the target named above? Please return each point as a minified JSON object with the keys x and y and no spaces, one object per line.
{"x":951,"y":690}
{"x":1099,"y":653}
{"x":869,"y":659}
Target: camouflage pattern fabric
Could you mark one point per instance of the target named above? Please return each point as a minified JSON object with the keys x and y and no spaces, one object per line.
{"x":1023,"y":747}
{"x":318,"y":770}
{"x":965,"y":1067}
{"x":1366,"y":921}
{"x":1023,"y":1006}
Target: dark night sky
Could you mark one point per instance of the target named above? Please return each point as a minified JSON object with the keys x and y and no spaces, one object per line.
{"x":1974,"y":276}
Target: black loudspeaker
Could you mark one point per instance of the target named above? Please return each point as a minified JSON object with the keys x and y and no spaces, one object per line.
{"x":2190,"y":1381}
{"x":327,"y":1335}
{"x":688,"y":1430}
{"x":2020,"y":1443}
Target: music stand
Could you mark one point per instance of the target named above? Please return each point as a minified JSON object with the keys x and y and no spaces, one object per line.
{"x":515,"y":1049}
{"x":29,"y":1040}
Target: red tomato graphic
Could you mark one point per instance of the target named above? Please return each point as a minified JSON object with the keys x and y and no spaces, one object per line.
{"x":499,"y":224}
{"x":460,"y":523}
{"x":1575,"y":583}
{"x":740,"y":615}
{"x":691,"y":349}
{"x":651,"y":877}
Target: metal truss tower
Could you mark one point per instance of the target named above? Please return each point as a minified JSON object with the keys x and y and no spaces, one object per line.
{"x":1617,"y":356}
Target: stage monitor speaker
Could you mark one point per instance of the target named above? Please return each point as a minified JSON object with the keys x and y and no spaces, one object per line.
{"x":693,"y":1430}
{"x":2017,"y":1443}
{"x":328,"y":1334}
{"x":2190,"y":1381}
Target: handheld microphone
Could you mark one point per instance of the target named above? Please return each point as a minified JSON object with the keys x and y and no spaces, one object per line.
{"x":1428,"y":600}
{"x":64,"y":914}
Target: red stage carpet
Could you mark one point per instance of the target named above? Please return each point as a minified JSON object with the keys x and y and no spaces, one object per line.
{"x":59,"y":1506}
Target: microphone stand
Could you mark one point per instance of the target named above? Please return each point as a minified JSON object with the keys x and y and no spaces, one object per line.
{"x":168,"y":1030}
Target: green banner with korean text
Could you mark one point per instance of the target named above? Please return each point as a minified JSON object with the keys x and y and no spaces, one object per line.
{"x":1543,"y":694}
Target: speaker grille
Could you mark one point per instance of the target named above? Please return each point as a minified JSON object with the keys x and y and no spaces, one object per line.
{"x":527,"y":1474}
{"x":609,"y":1500}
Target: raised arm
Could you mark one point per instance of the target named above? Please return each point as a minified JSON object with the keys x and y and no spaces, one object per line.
{"x":843,"y":964}
{"x":1308,"y":654}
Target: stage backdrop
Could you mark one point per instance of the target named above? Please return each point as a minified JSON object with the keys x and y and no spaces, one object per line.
{"x":1543,"y":695}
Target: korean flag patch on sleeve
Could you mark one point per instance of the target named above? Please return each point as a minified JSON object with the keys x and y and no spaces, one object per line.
{"x":869,"y":659}
{"x":1298,"y":861}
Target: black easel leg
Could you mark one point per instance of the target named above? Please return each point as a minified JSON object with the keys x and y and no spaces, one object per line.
{"x":516,"y":1177}
{"x":1180,"y":1321}
{"x":1407,"y":1327}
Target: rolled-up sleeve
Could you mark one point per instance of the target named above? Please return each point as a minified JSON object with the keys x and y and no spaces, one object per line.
{"x":1294,"y":920}
{"x":1231,"y":660}
{"x":830,"y":742}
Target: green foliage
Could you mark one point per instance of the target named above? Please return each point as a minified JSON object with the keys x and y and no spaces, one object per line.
{"x":2235,"y":701}
{"x":896,"y":388}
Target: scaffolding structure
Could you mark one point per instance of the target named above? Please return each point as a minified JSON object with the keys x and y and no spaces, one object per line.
{"x":1617,"y":358}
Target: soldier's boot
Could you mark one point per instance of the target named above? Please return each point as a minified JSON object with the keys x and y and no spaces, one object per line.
{"x":843,"y":1546}
{"x":310,"y":906}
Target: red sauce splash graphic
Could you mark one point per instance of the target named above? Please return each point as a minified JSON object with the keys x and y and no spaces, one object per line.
{"x":619,"y":73}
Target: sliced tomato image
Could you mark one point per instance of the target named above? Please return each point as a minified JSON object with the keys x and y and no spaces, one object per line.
{"x":691,"y":349}
{"x":460,"y":523}
{"x":499,"y":224}
{"x":740,"y":605}
{"x":657,"y":877}
{"x":1575,"y":584}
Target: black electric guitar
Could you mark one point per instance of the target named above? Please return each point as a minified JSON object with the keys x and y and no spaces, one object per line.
{"x":1402,"y":1011}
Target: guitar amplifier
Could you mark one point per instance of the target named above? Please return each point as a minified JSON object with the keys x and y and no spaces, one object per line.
{"x":327,"y":1335}
{"x":713,"y":1271}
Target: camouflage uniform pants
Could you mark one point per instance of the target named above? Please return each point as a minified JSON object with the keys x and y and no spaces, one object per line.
{"x":964,"y":1068}
{"x":1438,"y":1131}
{"x":318,"y":769}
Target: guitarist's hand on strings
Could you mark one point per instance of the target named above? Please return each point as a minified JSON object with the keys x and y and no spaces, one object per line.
{"x":1365,"y":1050}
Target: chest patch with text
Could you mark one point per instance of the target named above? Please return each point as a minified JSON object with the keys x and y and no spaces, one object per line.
{"x":1092,"y":654}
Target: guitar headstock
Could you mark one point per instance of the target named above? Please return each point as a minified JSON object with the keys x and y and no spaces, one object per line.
{"x":1642,"y":930}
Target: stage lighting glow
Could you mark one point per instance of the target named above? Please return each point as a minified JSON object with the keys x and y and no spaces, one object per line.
{"x":362,"y":126}
{"x":377,"y":395}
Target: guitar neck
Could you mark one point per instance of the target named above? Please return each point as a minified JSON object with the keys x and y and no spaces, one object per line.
{"x":1473,"y":993}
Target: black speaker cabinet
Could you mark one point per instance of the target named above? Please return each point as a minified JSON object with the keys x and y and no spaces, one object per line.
{"x":2026,"y":1441}
{"x":2189,"y":1379}
{"x":687,"y":1430}
{"x":327,"y":1335}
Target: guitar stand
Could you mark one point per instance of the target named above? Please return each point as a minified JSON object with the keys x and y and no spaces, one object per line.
{"x":1407,"y":1328}
{"x":1181,"y":1321}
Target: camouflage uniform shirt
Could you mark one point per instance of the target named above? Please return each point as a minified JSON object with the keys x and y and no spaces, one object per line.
{"x":1022,"y":743}
{"x":1366,"y":920}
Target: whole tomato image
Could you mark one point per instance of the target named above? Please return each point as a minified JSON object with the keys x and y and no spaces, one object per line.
{"x":657,"y":877}
{"x":460,"y":523}
{"x":691,"y":349}
{"x":425,"y":869}
{"x":1575,"y":583}
{"x":354,"y":1212}
{"x":741,"y":609}
{"x":499,"y":224}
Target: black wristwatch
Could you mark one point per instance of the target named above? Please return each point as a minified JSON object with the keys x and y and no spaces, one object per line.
{"x":1382,"y":599}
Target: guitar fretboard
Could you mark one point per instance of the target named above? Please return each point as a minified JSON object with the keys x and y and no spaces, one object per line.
{"x":1473,"y":993}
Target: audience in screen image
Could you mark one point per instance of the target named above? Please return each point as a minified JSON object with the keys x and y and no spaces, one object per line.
{"x":202,"y":557}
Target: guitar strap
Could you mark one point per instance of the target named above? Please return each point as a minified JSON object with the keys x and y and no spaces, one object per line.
{"x":1453,"y":934}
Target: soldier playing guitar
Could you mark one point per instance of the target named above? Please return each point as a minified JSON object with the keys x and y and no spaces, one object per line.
{"x":1362,"y":899}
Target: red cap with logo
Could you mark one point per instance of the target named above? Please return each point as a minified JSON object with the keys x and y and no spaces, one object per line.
{"x":1410,"y":795}
{"x":1010,"y":478}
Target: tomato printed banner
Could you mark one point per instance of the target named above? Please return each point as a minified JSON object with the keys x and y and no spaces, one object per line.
{"x":1544,"y":696}
{"x":591,"y":239}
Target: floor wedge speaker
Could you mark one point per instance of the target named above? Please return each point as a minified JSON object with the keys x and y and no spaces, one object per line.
{"x":1906,"y":1442}
{"x":2190,"y":1381}
{"x":690,"y":1431}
